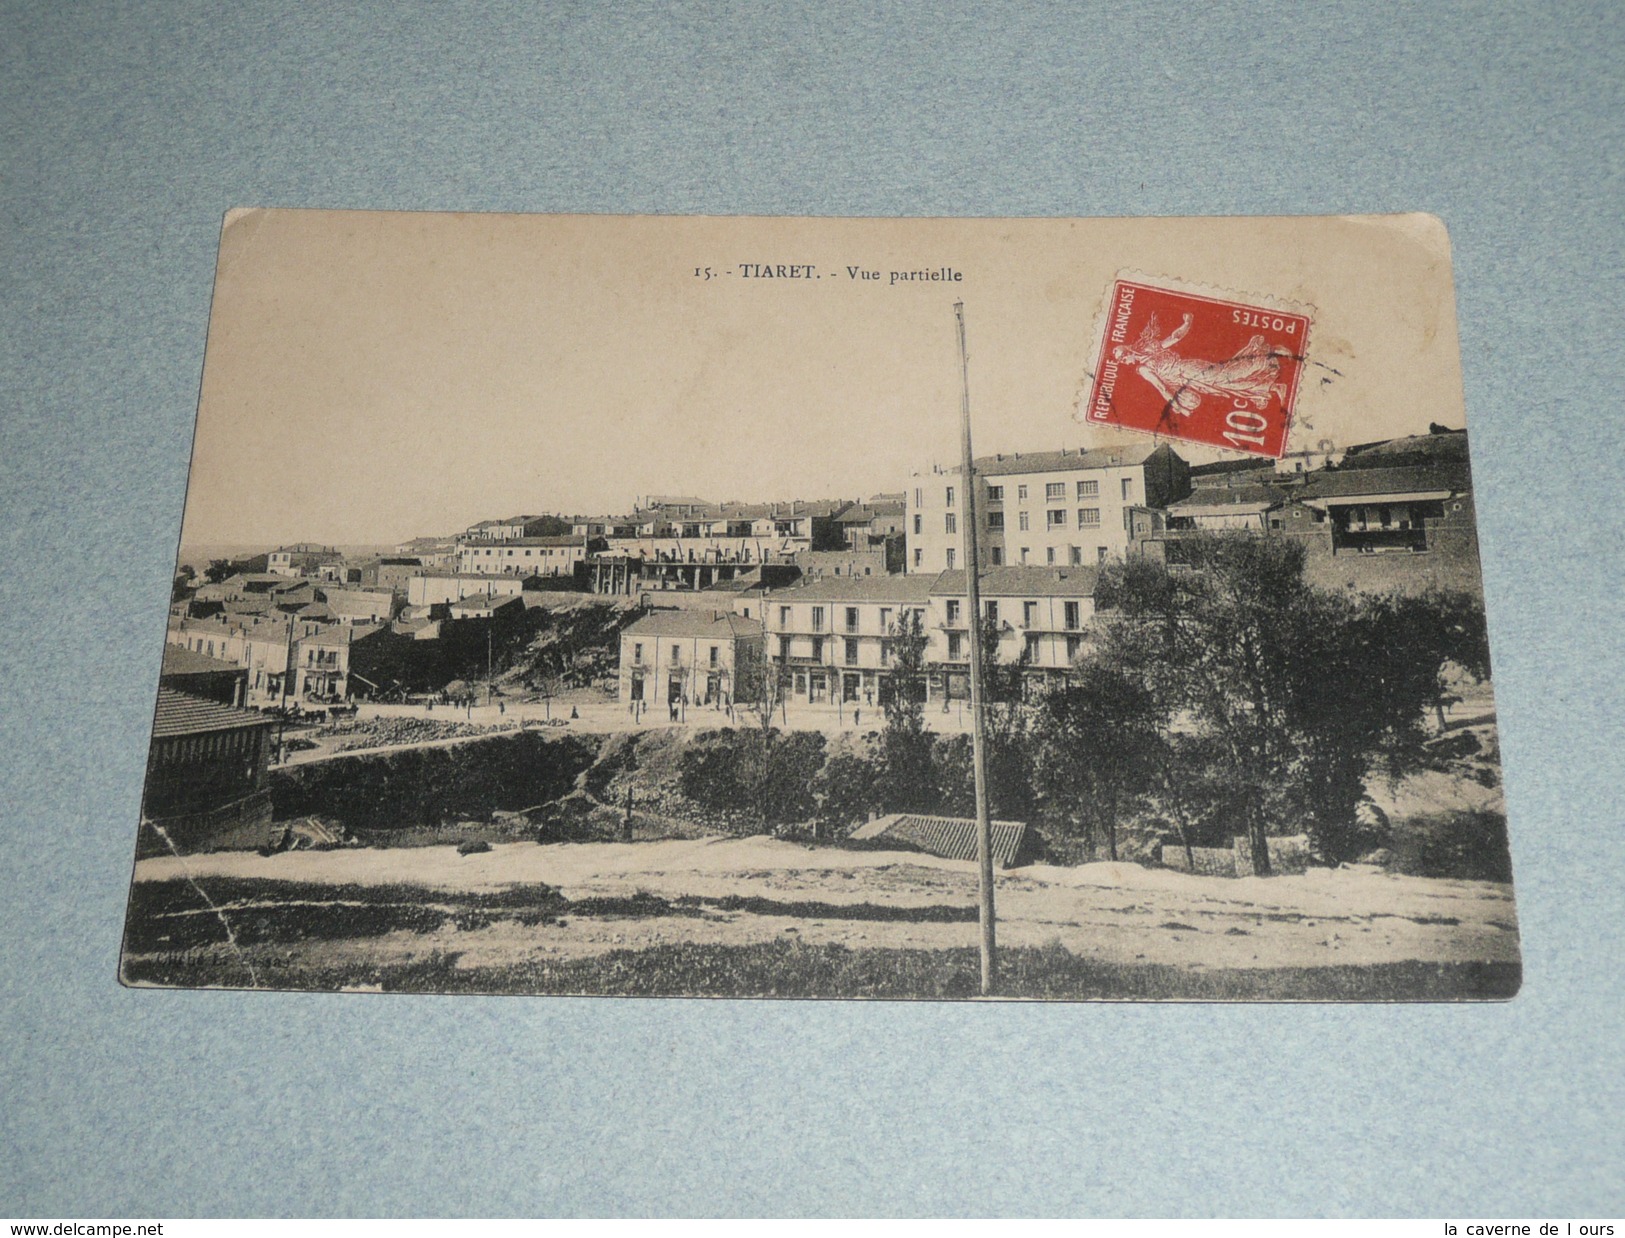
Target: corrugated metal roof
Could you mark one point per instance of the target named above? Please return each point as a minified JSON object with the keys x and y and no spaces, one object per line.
{"x":952,"y":838}
{"x":180,"y":713}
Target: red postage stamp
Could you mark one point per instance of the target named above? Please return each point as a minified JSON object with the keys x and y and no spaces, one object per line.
{"x":1188,"y":365}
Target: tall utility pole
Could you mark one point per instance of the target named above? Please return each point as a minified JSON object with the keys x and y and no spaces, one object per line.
{"x":973,"y":599}
{"x":287,"y":677}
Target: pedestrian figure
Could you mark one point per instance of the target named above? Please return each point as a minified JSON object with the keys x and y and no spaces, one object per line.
{"x":574,"y":717}
{"x":502,"y":707}
{"x":857,"y":716}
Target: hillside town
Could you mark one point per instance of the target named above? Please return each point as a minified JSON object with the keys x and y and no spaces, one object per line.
{"x":817,"y":586}
{"x":1223,"y":670}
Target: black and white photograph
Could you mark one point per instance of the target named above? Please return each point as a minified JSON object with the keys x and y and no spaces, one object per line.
{"x":828,"y":608}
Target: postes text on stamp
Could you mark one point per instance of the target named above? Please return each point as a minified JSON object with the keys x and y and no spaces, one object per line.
{"x":1198,"y":367}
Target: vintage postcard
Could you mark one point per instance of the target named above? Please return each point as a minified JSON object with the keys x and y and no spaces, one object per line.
{"x":592,"y":605}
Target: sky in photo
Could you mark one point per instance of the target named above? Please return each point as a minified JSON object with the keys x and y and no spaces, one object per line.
{"x":372,"y":377}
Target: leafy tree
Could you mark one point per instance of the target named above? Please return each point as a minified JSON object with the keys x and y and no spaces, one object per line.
{"x":1192,"y":792}
{"x":845,"y":791}
{"x":909,"y":783}
{"x":709,"y":770}
{"x":1098,"y":746}
{"x":1293,"y":693}
{"x":217,"y":570}
{"x":1005,"y":731}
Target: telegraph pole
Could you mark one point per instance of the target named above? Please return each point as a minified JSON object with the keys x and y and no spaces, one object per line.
{"x":984,"y":827}
{"x":287,"y":676}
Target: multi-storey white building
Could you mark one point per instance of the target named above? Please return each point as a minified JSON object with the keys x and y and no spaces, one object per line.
{"x":261,"y":646}
{"x":522,"y":556}
{"x":508,"y":529}
{"x":300,"y":559}
{"x":1041,"y":509}
{"x":828,"y":636}
{"x":699,"y":657}
{"x":1042,"y":617}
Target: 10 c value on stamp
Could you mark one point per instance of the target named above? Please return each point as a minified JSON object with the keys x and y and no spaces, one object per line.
{"x":1198,"y":367}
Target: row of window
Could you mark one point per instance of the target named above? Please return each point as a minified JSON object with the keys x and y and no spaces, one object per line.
{"x":850,"y":617}
{"x":546,"y":551}
{"x":1055,"y":518}
{"x":956,"y":648}
{"x":715,"y":655}
{"x":1072,"y":612}
{"x":1029,"y":649}
{"x":996,"y":556}
{"x":1054,"y":492}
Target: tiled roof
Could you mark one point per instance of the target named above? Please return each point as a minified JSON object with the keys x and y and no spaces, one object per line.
{"x":179,"y":660}
{"x":486,"y":601}
{"x":343,"y":634}
{"x":1226,"y":496}
{"x":1018,"y":581}
{"x":864,"y":513}
{"x":566,"y":539}
{"x":252,"y":604}
{"x":180,"y":713}
{"x":952,"y":838}
{"x":1066,"y":461}
{"x":1414,"y":479}
{"x":211,"y":626}
{"x":352,"y":601}
{"x":902,"y":589}
{"x":1223,"y":468}
{"x":701,"y":623}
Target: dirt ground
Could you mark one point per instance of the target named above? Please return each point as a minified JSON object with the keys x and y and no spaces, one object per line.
{"x":756,"y":890}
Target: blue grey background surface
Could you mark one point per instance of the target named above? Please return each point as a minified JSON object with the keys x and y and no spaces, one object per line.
{"x":126,"y":131}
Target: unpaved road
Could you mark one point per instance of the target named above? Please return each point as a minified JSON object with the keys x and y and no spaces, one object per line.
{"x":1118,"y":913}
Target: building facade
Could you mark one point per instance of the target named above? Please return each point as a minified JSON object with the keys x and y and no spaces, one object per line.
{"x":301,"y":559}
{"x":260,"y":645}
{"x":437,"y":588}
{"x":1042,"y":617}
{"x":522,"y":556}
{"x":1395,"y":516}
{"x":1041,"y":509}
{"x":509,"y":529}
{"x":828,"y":638}
{"x":690,"y":657}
